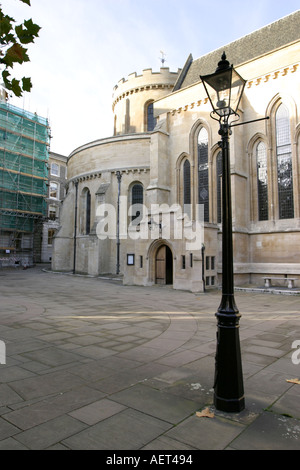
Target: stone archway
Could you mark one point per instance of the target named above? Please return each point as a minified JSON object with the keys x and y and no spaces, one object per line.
{"x":152,"y":253}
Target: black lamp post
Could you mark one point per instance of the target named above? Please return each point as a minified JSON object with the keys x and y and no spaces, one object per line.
{"x":224,"y":89}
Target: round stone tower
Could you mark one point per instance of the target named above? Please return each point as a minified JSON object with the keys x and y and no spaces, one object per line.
{"x":133,"y":99}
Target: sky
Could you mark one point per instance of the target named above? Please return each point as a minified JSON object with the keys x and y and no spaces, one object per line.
{"x":86,"y":46}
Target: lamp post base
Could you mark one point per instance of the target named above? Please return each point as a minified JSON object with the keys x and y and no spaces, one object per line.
{"x":228,"y":386}
{"x":230,"y":405}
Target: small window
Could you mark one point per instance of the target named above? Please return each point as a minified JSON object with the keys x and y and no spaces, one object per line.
{"x":53,"y":190}
{"x":52,"y":212}
{"x":141,"y":261}
{"x":212,"y":265}
{"x":137,"y":197}
{"x":51,"y":233}
{"x":54,"y":169}
{"x":207,"y":262}
{"x":191,"y":260}
{"x":151,"y":121}
{"x":88,"y":213}
{"x":183,"y":262}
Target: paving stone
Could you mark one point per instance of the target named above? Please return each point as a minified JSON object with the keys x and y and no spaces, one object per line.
{"x":44,"y":385}
{"x":156,"y":403}
{"x":270,"y":432}
{"x":128,"y":430}
{"x":97,"y":411}
{"x":51,"y":408}
{"x":8,"y":396}
{"x":7,"y":429}
{"x":9,"y":374}
{"x":11,"y":444}
{"x":206,"y":433}
{"x":50,"y":433}
{"x":53,"y":356}
{"x":167,"y":443}
{"x":289,"y":403}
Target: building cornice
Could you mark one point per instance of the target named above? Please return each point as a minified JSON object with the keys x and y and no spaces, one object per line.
{"x":92,"y":175}
{"x":147,"y":87}
{"x":256,"y":81}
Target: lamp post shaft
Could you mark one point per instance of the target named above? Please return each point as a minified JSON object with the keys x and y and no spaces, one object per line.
{"x":228,"y":386}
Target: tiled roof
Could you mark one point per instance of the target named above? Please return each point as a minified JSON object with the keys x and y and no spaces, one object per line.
{"x":260,"y":42}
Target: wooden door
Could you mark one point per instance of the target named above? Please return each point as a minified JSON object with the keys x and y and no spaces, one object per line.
{"x":160,"y":265}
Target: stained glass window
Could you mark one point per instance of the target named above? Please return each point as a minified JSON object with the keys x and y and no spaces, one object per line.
{"x":284,"y":164}
{"x":203,"y":189}
{"x":137,"y":202}
{"x":262,"y":181}
{"x":219,"y":184}
{"x":186,"y":182}
{"x":151,"y":121}
{"x":88,"y":213}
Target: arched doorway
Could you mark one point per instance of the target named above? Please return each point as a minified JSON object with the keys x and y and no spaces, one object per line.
{"x":164,"y":265}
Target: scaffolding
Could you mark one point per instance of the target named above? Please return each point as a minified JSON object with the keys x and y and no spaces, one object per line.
{"x":24,"y":153}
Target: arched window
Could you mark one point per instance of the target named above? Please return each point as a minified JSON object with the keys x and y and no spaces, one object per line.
{"x":186,"y":183}
{"x":284,"y":163}
{"x":219,"y":187}
{"x":137,"y":199}
{"x":88,"y":212}
{"x":151,"y":121}
{"x":203,"y":189}
{"x":262,"y":181}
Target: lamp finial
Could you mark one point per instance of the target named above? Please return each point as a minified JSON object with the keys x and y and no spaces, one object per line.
{"x":223,"y":64}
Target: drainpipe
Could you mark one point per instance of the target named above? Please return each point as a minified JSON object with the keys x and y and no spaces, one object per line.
{"x":75,"y":225}
{"x":119,"y":176}
{"x":203,"y":260}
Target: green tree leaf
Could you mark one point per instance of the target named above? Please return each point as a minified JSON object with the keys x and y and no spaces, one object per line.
{"x":26,"y":84}
{"x":26,"y":35}
{"x":15,"y":87}
{"x":12,"y":50}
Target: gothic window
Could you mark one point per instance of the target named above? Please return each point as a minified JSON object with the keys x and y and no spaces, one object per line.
{"x":186,"y":183}
{"x":203,"y":189}
{"x":284,"y":163}
{"x":262,"y":181}
{"x":137,"y":199}
{"x":219,"y":187}
{"x":151,"y":121}
{"x":88,"y":212}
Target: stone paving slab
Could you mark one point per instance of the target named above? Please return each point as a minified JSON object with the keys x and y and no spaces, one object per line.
{"x":92,"y":364}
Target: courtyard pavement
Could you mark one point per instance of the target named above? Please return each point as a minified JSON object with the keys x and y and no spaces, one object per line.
{"x":95,"y":365}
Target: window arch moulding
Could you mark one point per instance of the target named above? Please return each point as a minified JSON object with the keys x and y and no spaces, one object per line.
{"x":285,"y":174}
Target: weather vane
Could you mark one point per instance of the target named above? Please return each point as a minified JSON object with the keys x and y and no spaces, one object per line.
{"x":162,"y":58}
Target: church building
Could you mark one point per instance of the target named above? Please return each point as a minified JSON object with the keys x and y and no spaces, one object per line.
{"x":146,"y":203}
